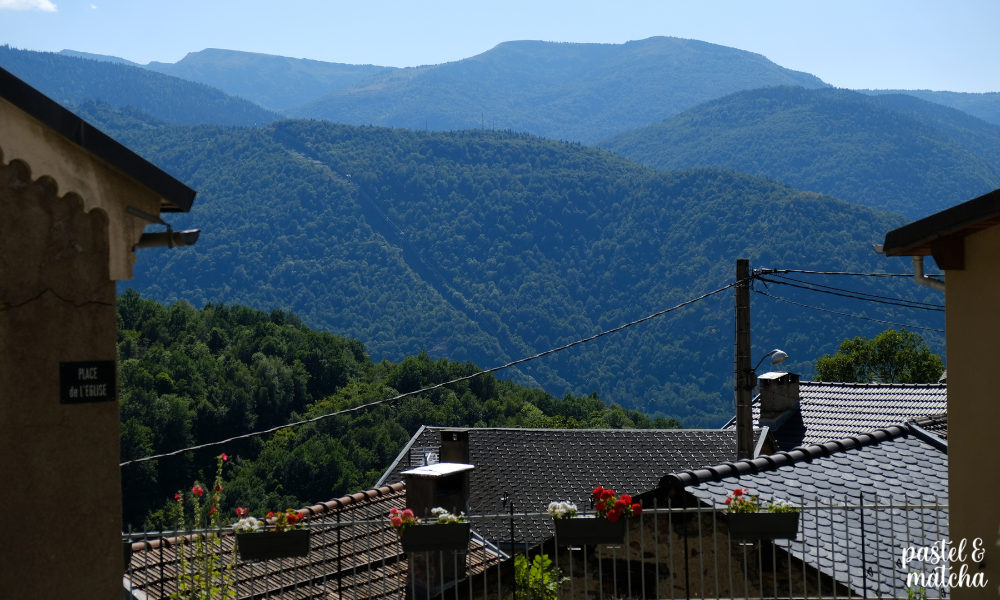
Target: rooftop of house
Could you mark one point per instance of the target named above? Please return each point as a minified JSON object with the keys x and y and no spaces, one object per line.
{"x":176,"y":197}
{"x":926,"y":236}
{"x":829,"y":411}
{"x":361,"y":560}
{"x":889,"y":465}
{"x":537,"y":466}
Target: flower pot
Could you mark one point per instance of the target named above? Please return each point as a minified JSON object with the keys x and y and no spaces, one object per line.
{"x":450,"y":537}
{"x":268,"y":544}
{"x":588,"y":532}
{"x":763,"y":526}
{"x":127,"y":551}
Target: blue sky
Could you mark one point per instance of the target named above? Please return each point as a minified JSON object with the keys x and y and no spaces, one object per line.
{"x":871,"y":44}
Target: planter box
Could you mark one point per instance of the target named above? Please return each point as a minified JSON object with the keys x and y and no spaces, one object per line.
{"x":588,"y":532}
{"x":452,"y":537}
{"x":268,"y":544}
{"x":763,"y":526}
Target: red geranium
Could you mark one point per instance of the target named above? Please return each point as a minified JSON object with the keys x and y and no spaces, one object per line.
{"x":613,"y":508}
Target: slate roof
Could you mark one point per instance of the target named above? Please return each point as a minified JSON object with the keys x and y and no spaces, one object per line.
{"x":177,"y":196}
{"x":830,"y":411}
{"x":537,"y":466}
{"x":370,"y":562}
{"x":886,"y":465}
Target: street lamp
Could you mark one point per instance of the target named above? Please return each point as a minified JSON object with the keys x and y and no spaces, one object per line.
{"x":777,"y":356}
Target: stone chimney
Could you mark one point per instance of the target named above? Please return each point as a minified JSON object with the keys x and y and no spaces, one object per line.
{"x":779,"y":398}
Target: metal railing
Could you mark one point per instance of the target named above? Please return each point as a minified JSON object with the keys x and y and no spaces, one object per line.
{"x":674,"y":549}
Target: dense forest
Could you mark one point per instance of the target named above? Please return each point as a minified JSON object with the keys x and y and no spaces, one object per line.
{"x":71,"y":80}
{"x":892,"y":152}
{"x":577,"y":92}
{"x":190,"y":376}
{"x":487,"y":246}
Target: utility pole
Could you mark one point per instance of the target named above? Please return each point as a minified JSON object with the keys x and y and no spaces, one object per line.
{"x":743,"y":371}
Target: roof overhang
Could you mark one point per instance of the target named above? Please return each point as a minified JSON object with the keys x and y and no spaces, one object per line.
{"x":174,"y":195}
{"x":942,"y":235}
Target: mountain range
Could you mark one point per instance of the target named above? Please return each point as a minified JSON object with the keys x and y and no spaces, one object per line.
{"x":894,"y":152}
{"x":71,"y":80}
{"x":574,"y":92}
{"x":489,"y":246}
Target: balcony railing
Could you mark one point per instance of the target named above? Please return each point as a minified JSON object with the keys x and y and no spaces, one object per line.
{"x":850,"y":549}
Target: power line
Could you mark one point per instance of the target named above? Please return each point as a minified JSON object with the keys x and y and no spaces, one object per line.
{"x":851,"y":295}
{"x":862,"y":293}
{"x":776,"y":271}
{"x":427,"y":389}
{"x":848,"y":314}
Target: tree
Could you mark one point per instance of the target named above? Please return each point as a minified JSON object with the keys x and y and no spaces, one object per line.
{"x":890,"y":357}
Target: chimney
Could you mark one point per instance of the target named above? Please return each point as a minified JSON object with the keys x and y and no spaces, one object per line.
{"x":454,"y":446}
{"x":444,"y":484}
{"x":779,"y":398}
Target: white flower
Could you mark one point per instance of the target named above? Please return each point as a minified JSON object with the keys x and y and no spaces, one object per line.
{"x":247,"y":525}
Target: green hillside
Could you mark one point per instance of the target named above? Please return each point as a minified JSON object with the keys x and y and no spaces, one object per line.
{"x":195,"y":376}
{"x":275,"y":82}
{"x":892,"y":152}
{"x":985,"y":106}
{"x":71,"y":80}
{"x":578,"y":92}
{"x":498,"y":245}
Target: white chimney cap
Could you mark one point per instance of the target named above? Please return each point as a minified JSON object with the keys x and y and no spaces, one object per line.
{"x":439,"y":470}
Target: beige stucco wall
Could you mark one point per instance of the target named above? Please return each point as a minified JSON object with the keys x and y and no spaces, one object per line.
{"x":75,"y":170}
{"x":973,"y":338}
{"x":64,"y":239}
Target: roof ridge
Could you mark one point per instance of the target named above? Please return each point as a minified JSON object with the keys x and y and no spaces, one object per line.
{"x":875,"y":384}
{"x":770,"y":462}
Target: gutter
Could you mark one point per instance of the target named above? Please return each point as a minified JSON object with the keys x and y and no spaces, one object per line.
{"x":918,"y":271}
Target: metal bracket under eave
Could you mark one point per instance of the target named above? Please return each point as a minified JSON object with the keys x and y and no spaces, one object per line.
{"x":169,"y":238}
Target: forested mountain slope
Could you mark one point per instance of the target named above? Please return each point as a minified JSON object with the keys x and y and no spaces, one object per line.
{"x":275,"y":82}
{"x":71,"y":80}
{"x":890,"y":152}
{"x":986,"y":106}
{"x":192,"y":376}
{"x":487,"y":246}
{"x":577,"y":92}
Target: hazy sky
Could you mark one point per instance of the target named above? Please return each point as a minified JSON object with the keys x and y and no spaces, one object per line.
{"x":871,"y":44}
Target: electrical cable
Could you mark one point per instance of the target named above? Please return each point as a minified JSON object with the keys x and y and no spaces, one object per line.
{"x":427,"y":389}
{"x":846,"y":314}
{"x":862,"y":293}
{"x":758,"y":278}
{"x":775,"y":271}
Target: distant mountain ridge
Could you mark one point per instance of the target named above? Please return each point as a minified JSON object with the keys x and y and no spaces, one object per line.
{"x":892,"y":152}
{"x":986,"y":106}
{"x":275,"y":82}
{"x":73,"y":80}
{"x":566,"y":91}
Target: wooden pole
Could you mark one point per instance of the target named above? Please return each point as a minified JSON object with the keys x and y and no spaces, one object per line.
{"x":743,"y":375}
